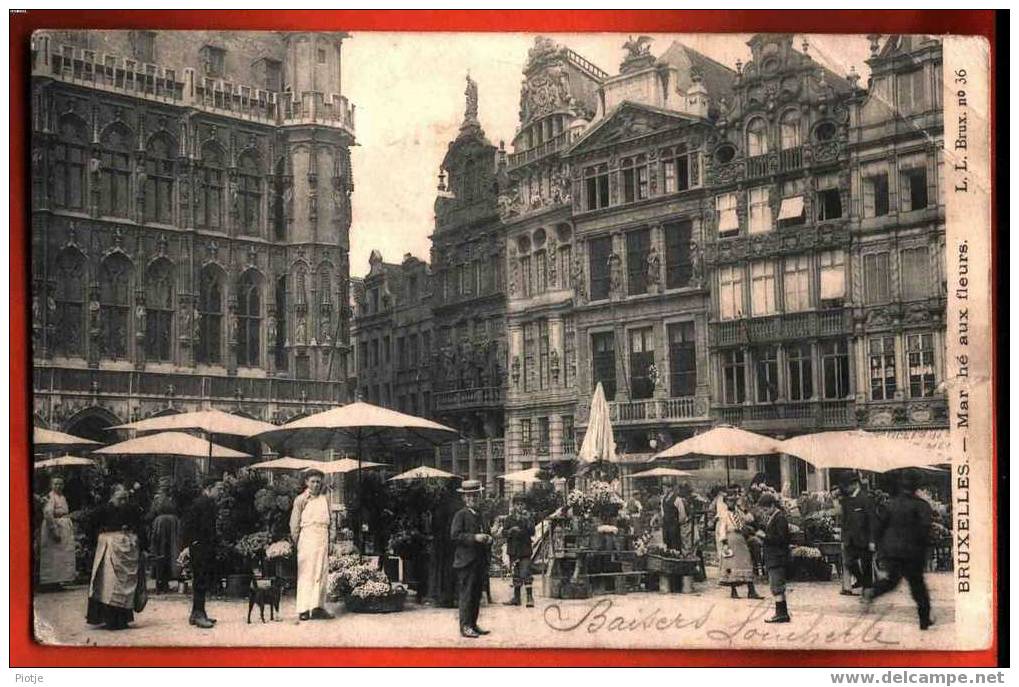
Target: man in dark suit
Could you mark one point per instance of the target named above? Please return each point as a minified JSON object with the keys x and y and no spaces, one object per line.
{"x":670,"y":518}
{"x":859,"y":533}
{"x":775,"y":535}
{"x":905,"y":525}
{"x":469,"y":532}
{"x":519,"y":528}
{"x":199,"y":528}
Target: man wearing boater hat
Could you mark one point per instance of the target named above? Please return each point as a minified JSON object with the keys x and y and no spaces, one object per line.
{"x":309,"y":528}
{"x":469,"y":533}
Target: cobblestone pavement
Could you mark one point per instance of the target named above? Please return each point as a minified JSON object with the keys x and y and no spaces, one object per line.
{"x":707,"y":618}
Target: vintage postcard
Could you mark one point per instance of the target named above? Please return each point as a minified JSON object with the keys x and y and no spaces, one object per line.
{"x":506,"y":340}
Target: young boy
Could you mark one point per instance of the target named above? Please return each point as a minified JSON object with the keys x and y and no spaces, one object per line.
{"x":519,"y":528}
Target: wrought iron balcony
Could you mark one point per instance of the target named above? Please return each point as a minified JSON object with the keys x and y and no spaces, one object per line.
{"x":780,"y":327}
{"x":463,"y":399}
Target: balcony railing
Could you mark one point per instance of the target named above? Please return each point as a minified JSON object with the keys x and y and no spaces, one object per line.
{"x":776,"y":161}
{"x":806,"y":414}
{"x":654,"y":409}
{"x":782,"y":327}
{"x":478,"y":397}
{"x":547,"y":148}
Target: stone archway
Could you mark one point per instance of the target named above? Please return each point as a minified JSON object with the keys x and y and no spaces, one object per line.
{"x":93,"y":423}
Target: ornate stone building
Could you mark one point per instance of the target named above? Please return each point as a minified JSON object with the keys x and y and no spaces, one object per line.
{"x":190,"y":219}
{"x":559,"y":97}
{"x":638,"y":203}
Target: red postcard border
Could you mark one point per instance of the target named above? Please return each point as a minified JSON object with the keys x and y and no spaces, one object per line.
{"x":24,"y":652}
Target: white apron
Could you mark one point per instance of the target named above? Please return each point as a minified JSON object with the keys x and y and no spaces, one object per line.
{"x":115,"y":569}
{"x":313,"y":555}
{"x":56,"y":543}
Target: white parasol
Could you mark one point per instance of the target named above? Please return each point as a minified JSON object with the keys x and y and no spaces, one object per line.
{"x":660,"y":472}
{"x":860,"y":450}
{"x":63,"y":462}
{"x":528,"y":476}
{"x":599,"y":443}
{"x":723,"y":441}
{"x":48,"y":440}
{"x":423,"y":472}
{"x":170,"y":444}
{"x":287,"y":463}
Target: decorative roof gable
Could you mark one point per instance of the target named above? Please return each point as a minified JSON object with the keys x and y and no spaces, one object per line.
{"x":628,"y":121}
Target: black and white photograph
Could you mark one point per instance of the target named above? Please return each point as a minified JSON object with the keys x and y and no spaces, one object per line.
{"x":508,"y":340}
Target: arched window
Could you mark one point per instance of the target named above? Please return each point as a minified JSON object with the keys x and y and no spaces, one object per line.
{"x":114,"y":306}
{"x":115,"y":172}
{"x":210,"y":195}
{"x":249,"y":194}
{"x":249,"y":320}
{"x":790,"y":130}
{"x":280,"y":347}
{"x":159,"y":311}
{"x":69,"y":163}
{"x":325,"y":286}
{"x":757,"y":137}
{"x":210,"y":309}
{"x":69,"y":299}
{"x":159,"y":180}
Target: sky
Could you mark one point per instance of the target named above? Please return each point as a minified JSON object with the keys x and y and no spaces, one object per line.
{"x":408,"y":89}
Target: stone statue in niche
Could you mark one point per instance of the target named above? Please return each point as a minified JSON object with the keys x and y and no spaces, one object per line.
{"x":615,"y":275}
{"x":235,"y":327}
{"x":578,"y":282}
{"x":653,"y":270}
{"x":234,"y":198}
{"x":140,"y":317}
{"x":551,"y":257}
{"x":302,"y":330}
{"x":95,"y":323}
{"x":696,"y":270}
{"x":186,"y":322}
{"x":270,"y":330}
{"x":325,"y":336}
{"x":36,"y":313}
{"x":196,"y":324}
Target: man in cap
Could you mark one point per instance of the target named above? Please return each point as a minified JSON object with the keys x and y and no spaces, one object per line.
{"x":309,"y":528}
{"x":859,"y":532}
{"x":469,"y":533}
{"x":199,"y":529}
{"x":905,"y":526}
{"x":775,"y":535}
{"x":519,"y":528}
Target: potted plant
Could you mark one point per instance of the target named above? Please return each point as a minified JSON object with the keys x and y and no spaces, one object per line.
{"x":806,"y":564}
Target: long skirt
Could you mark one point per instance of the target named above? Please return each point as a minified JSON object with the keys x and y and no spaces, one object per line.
{"x":165,"y":547}
{"x":114,"y":579}
{"x":737,"y":568}
{"x":56,"y":552}
{"x":312,"y":567}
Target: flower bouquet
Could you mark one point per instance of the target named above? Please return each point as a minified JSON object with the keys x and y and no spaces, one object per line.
{"x":579,"y":503}
{"x":807,"y":564}
{"x":605,"y":502}
{"x":279,"y":549}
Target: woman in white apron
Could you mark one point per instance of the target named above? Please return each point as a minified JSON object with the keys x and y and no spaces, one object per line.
{"x":309,"y":528}
{"x":116,"y":575}
{"x":735,"y":565}
{"x":56,"y":538}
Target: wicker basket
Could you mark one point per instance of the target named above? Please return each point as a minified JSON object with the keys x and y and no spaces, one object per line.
{"x":384,"y":604}
{"x":672,"y":566}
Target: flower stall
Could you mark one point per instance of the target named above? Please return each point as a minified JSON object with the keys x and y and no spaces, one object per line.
{"x":362,"y":586}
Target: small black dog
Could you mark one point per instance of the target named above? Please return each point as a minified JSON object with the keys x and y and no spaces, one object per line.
{"x":263,"y":596}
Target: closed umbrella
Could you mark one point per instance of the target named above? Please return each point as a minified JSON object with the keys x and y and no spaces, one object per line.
{"x":49,"y":440}
{"x":423,"y":472}
{"x":528,"y":476}
{"x":723,"y":441}
{"x":860,"y":450}
{"x":171,"y":445}
{"x":63,"y":462}
{"x":599,"y":443}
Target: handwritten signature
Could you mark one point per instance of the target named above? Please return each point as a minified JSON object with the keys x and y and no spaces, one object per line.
{"x":598,"y":617}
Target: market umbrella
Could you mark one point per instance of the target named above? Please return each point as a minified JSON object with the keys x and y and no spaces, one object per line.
{"x":528,"y":476}
{"x":345,"y":465}
{"x":723,"y":441}
{"x":660,"y":472}
{"x":211,"y":421}
{"x":170,"y":445}
{"x":63,"y":462}
{"x":860,"y":450}
{"x":423,"y":472}
{"x":287,"y":463}
{"x":48,"y":440}
{"x":598,"y":442}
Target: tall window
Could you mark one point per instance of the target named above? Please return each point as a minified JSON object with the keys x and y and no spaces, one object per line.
{"x":115,"y":172}
{"x":69,"y":163}
{"x":835,"y":369}
{"x":875,"y":192}
{"x":565,"y":265}
{"x":633,"y":175}
{"x":913,"y":184}
{"x":912,"y":91}
{"x":680,"y":169}
{"x":543,"y":436}
{"x":801,"y":380}
{"x":762,"y":288}
{"x":757,"y":137}
{"x":569,"y":440}
{"x":249,"y":320}
{"x":159,"y":310}
{"x":70,"y":301}
{"x":789,"y":129}
{"x":280,"y":348}
{"x":638,"y":244}
{"x":882,"y":368}
{"x":603,"y":362}
{"x":678,"y":261}
{"x":114,"y":306}
{"x":734,"y":382}
{"x":540,"y":271}
{"x":159,"y":180}
{"x":682,"y":359}
{"x":249,"y":195}
{"x":796,"y":283}
{"x":525,"y":434}
{"x":876,"y":277}
{"x":915,"y":273}
{"x":569,"y":351}
{"x":530,"y":351}
{"x":596,"y":187}
{"x":766,"y":358}
{"x":642,"y":357}
{"x":829,"y":198}
{"x":920,"y":354}
{"x":599,"y":250}
{"x":210,"y":308}
{"x":526,"y":284}
{"x":544,"y":374}
{"x":759,"y":200}
{"x":730,"y":292}
{"x":728,"y":218}
{"x":210,"y":196}
{"x":143,"y":46}
{"x":833,"y":274}
{"x":213,"y":60}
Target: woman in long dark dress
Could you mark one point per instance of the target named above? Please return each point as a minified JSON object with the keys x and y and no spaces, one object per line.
{"x":164,"y":539}
{"x":441,"y":581}
{"x":115,"y":574}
